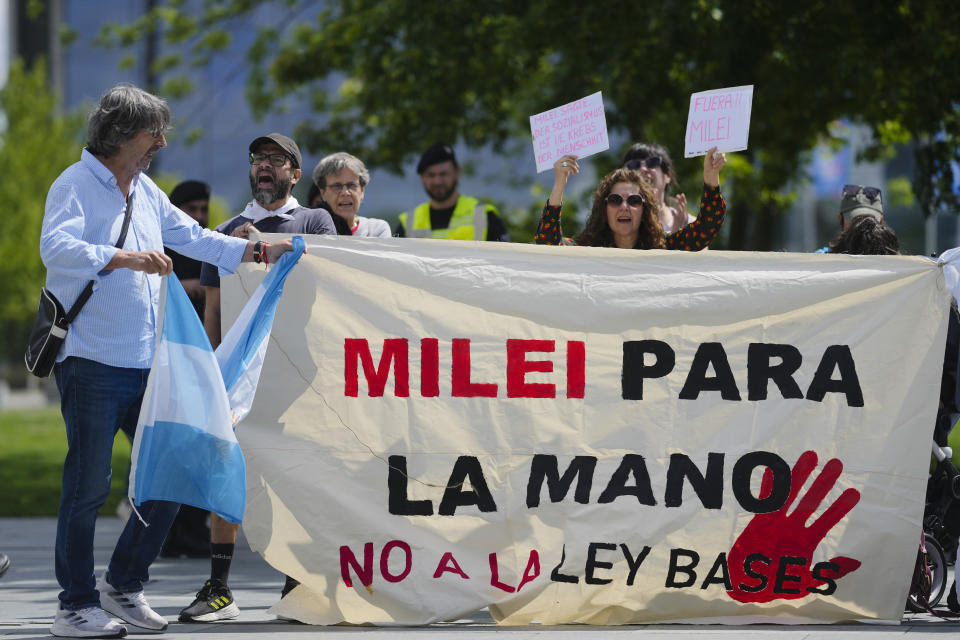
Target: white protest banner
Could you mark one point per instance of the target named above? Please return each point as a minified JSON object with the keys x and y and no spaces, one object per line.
{"x":570,"y":434}
{"x":718,"y":118}
{"x":578,"y":128}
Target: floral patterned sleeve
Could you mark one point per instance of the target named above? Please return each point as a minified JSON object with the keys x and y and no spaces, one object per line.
{"x":549,"y":230}
{"x":700,"y":233}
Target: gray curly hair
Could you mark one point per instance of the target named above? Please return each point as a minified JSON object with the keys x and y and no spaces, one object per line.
{"x":122,"y":113}
{"x":336,"y":162}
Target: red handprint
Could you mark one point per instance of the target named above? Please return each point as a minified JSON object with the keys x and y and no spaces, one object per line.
{"x":772,"y":557}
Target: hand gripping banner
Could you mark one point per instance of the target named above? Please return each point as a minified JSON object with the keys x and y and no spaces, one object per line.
{"x":185,"y":449}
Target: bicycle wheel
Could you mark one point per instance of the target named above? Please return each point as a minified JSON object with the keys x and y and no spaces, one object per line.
{"x":937,"y":565}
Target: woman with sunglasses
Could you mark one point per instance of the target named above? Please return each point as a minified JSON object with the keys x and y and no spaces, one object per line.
{"x":626,"y":213}
{"x":653,"y":161}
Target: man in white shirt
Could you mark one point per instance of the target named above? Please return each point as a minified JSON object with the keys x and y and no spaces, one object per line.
{"x":104,"y":362}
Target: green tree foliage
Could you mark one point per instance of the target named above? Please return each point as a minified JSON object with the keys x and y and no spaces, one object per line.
{"x":386,"y":77}
{"x":37,"y":142}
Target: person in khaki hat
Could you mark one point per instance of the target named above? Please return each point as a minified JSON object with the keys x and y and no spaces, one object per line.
{"x":862,"y":230}
{"x":855,"y":201}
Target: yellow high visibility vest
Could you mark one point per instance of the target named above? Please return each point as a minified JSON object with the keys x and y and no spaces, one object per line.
{"x":469,"y":222}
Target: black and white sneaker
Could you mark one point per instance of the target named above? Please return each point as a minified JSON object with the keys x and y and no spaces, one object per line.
{"x":92,"y":622}
{"x":214,"y":602}
{"x":131,"y":607}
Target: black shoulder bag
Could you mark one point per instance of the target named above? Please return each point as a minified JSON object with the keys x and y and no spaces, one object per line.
{"x":50,"y":328}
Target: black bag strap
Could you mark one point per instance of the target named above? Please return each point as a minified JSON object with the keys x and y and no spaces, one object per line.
{"x":88,"y":290}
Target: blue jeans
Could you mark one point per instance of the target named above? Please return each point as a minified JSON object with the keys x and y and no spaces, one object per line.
{"x":96,"y":401}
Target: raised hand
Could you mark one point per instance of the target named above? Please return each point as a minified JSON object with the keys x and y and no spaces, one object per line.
{"x":713,"y":162}
{"x":772,"y":540}
{"x":563,"y":168}
{"x":679,"y":212}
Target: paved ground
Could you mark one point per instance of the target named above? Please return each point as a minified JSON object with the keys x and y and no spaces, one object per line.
{"x":28,"y":595}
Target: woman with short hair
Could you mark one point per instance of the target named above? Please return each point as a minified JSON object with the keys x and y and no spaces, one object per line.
{"x":341,"y":180}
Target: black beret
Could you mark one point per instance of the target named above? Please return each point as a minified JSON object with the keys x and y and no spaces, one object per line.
{"x":189,"y":190}
{"x":436,"y":154}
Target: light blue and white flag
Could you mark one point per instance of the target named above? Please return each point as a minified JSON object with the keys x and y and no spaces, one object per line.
{"x":185,"y":449}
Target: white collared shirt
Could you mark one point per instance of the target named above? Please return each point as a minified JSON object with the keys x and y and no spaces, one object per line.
{"x":82,"y":219}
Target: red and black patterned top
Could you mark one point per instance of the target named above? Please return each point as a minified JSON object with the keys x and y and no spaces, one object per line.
{"x":693,"y":237}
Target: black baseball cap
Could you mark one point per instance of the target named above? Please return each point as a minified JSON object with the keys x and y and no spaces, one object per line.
{"x":440,"y":152}
{"x":284,"y":143}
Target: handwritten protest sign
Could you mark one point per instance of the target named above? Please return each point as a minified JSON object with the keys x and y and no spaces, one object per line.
{"x":718,"y":118}
{"x":579,"y":127}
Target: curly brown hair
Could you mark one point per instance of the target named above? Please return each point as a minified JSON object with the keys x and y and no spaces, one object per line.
{"x":866,"y":235}
{"x":596,"y":232}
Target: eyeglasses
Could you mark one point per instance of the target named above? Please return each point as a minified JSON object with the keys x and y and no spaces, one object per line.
{"x":276,"y":159}
{"x":872,"y":193}
{"x":158,"y":131}
{"x":633,"y":200}
{"x":650,"y":163}
{"x":349,"y":186}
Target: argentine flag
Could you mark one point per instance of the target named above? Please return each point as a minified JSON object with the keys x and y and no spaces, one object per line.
{"x":185,"y":449}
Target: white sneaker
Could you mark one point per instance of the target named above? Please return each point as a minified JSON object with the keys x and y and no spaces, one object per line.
{"x":92,"y":622}
{"x":131,"y":607}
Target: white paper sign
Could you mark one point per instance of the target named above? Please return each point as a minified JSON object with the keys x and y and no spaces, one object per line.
{"x":719,"y":118}
{"x":578,"y":128}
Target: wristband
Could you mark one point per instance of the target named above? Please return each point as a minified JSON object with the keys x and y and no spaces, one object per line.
{"x":263,"y":253}
{"x":258,"y":253}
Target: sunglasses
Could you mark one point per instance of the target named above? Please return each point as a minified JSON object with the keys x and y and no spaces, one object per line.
{"x":872,"y":193}
{"x":633,"y":200}
{"x":650,"y":163}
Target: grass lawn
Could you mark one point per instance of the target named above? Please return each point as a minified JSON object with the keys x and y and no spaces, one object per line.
{"x":33,"y":445}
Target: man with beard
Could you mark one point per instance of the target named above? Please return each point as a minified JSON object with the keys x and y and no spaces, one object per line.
{"x":105,"y":359}
{"x":448,"y":215}
{"x":274,"y":168}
